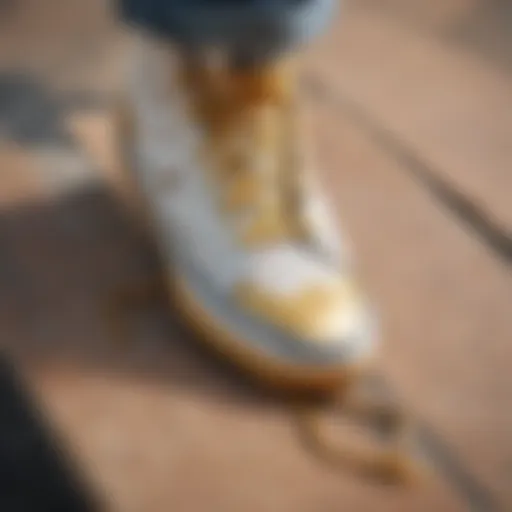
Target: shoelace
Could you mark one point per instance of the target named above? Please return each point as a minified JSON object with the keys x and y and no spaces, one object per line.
{"x":249,"y":118}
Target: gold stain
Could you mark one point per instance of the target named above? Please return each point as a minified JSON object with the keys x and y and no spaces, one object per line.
{"x":304,"y":314}
{"x":275,"y":372}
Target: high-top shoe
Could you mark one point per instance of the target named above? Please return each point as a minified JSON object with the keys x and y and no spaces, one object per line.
{"x":252,"y":255}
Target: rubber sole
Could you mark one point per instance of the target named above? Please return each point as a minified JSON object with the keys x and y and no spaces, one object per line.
{"x":269,"y":371}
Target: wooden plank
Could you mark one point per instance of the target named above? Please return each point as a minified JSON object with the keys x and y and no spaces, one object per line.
{"x":437,"y":100}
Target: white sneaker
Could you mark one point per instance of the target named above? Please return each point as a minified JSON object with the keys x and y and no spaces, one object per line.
{"x":253,"y":258}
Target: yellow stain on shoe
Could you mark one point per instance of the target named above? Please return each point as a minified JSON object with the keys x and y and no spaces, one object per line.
{"x":269,"y":370}
{"x":307,"y":314}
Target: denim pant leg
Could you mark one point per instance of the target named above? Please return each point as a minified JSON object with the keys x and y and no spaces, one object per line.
{"x":251,"y":29}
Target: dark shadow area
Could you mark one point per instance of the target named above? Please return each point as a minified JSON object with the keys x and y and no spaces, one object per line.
{"x":61,"y":265}
{"x":35,"y":473}
{"x":33,"y":115}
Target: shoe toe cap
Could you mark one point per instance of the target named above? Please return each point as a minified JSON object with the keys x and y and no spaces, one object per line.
{"x":318,"y":306}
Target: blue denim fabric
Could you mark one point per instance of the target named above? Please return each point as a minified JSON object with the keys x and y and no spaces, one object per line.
{"x":250,"y":28}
